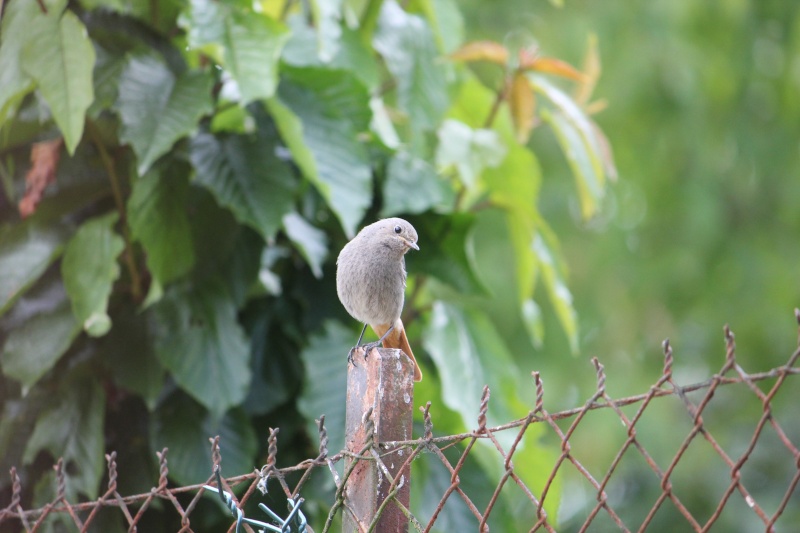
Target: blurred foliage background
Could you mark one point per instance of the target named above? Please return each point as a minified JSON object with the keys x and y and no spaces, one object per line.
{"x":701,"y":228}
{"x":205,"y":161}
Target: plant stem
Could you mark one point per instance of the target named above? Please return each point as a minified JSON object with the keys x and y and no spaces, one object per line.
{"x":499,"y":98}
{"x":108,"y":163}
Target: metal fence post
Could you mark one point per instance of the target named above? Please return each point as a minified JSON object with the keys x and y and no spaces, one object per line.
{"x":383,"y":384}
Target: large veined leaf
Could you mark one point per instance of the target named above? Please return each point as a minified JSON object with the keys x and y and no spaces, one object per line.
{"x":327,"y":150}
{"x":468,"y":150}
{"x":158,"y":219}
{"x":26,"y":250}
{"x":15,"y":83}
{"x":246,"y":43}
{"x":37,"y":344}
{"x":157,"y":108}
{"x":431,"y":480}
{"x":199,"y":340}
{"x":244,"y":175}
{"x":90,"y":269}
{"x":130,"y":356}
{"x":352,"y":54}
{"x":464,"y":343}
{"x":406,"y":43}
{"x":465,"y":346}
{"x":341,"y":94}
{"x":413,"y":186}
{"x":59,"y":57}
{"x":181,"y":424}
{"x":312,"y":243}
{"x":325,"y":387}
{"x":73,"y":429}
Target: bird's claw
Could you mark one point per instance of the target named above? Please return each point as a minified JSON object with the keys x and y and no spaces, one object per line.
{"x":350,"y":358}
{"x":367,"y":349}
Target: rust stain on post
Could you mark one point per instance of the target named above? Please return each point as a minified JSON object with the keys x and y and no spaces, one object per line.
{"x":383,"y":383}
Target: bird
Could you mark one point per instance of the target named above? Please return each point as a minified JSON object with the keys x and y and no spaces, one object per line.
{"x":371,"y":282}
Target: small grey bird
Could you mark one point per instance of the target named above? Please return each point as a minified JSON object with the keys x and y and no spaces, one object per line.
{"x":371,"y":282}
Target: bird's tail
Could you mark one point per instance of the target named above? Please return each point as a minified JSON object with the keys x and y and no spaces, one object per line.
{"x":397,"y":339}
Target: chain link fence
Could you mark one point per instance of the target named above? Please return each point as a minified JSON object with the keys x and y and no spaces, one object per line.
{"x":772,"y":503}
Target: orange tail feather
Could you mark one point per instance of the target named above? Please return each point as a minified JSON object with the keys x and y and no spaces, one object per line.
{"x":397,"y":339}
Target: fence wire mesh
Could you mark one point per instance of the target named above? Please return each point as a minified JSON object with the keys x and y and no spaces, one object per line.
{"x":452,"y":452}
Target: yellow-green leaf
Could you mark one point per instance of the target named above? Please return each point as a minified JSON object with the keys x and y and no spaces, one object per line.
{"x":522,"y":103}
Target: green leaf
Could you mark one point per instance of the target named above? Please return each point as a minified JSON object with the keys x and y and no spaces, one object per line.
{"x":406,"y":43}
{"x":26,"y":250}
{"x":245,"y":175}
{"x":59,"y":56}
{"x":325,"y":386}
{"x":445,"y":253}
{"x":327,"y":15}
{"x":413,"y":186}
{"x":579,"y":142}
{"x":276,"y":379}
{"x":199,"y":340}
{"x":157,"y":108}
{"x":158,"y":220}
{"x":184,"y":427}
{"x":470,"y":151}
{"x":233,"y":119}
{"x":497,"y":248}
{"x":587,"y":181}
{"x":381,"y":124}
{"x":89,"y":269}
{"x":328,"y":152}
{"x":239,"y":271}
{"x":431,"y":480}
{"x":34,"y":347}
{"x":15,"y":83}
{"x":108,"y":70}
{"x":340,"y":94}
{"x":352,"y":55}
{"x":130,"y":356}
{"x":470,"y":354}
{"x":534,"y":325}
{"x":514,"y":185}
{"x":447,"y":22}
{"x":73,"y":429}
{"x":557,"y":290}
{"x":246,"y":43}
{"x":312,"y":243}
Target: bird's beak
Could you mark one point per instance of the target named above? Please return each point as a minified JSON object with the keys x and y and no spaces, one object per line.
{"x":411,"y":244}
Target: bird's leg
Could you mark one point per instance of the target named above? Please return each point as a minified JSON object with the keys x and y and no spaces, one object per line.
{"x":356,"y":347}
{"x":370,"y":345}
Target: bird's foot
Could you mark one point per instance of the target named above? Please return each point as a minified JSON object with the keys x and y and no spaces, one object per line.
{"x":352,"y":351}
{"x":369,"y":347}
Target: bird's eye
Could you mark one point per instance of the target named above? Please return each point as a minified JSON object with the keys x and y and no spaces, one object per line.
{"x":398,"y":229}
